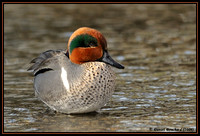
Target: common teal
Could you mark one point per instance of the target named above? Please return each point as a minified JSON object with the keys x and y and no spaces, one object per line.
{"x":78,"y":80}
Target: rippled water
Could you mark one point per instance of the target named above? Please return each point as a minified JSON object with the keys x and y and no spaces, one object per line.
{"x":155,"y":42}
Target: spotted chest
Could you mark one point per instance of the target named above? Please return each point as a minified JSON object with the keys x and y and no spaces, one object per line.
{"x":91,"y":90}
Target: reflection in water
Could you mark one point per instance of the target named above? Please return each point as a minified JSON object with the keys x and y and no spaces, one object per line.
{"x":155,"y":42}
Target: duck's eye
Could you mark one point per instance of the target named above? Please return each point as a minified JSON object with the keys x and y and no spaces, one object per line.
{"x":92,"y":44}
{"x":83,"y":40}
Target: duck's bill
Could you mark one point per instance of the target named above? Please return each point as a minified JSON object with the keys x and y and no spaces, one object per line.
{"x":108,"y":60}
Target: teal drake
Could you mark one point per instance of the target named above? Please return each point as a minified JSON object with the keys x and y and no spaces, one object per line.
{"x":79,"y":79}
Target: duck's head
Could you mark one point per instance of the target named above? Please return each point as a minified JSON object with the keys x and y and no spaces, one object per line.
{"x":86,"y":45}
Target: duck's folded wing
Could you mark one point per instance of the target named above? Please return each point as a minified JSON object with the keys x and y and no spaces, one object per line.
{"x":46,"y":61}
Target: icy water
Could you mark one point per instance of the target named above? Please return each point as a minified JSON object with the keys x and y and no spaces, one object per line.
{"x":156,"y":92}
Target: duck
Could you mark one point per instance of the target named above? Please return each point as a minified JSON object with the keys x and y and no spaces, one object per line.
{"x":79,"y":79}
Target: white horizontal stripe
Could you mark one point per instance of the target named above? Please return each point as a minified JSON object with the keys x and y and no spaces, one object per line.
{"x":64,"y":78}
